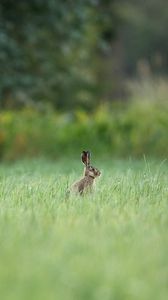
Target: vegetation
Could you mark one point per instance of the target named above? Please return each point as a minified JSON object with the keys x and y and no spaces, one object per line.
{"x":137,"y":129}
{"x":48,"y":50}
{"x":74,"y":53}
{"x":65,"y":67}
{"x":111,"y":245}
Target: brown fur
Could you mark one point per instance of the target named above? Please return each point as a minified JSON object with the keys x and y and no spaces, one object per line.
{"x":90,"y":173}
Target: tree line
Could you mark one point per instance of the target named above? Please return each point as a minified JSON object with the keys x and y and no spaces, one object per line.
{"x":61,"y":53}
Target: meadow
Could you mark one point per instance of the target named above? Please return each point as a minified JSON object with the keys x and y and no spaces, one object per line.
{"x":111,"y":244}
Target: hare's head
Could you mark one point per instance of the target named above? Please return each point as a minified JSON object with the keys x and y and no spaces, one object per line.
{"x":89,"y":171}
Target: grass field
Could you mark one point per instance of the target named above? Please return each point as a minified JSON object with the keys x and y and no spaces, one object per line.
{"x":112,"y":244}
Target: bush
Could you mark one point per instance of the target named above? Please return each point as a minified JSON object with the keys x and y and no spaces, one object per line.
{"x":134,"y":130}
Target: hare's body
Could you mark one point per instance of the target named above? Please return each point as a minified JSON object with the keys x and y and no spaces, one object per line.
{"x":85,"y":184}
{"x":90,"y":173}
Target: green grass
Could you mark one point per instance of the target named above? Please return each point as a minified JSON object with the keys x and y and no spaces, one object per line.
{"x":112,"y":244}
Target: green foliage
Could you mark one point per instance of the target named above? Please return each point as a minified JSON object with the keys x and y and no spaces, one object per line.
{"x":137,"y":129}
{"x":110,"y":245}
{"x":62,"y":52}
{"x":48,"y":50}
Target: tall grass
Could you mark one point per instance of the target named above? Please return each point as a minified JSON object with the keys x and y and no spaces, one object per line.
{"x":108,"y":245}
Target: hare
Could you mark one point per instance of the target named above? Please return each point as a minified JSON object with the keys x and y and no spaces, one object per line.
{"x":90,"y":173}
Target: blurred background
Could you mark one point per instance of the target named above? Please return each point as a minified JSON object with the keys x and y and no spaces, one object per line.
{"x":83,"y":74}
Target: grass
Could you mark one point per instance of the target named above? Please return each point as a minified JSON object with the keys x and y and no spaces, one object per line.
{"x":109,"y":245}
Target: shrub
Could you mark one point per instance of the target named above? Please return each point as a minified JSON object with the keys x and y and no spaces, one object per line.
{"x":134,"y":130}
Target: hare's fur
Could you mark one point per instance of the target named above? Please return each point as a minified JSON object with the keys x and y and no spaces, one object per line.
{"x":85,"y":184}
{"x":90,"y":173}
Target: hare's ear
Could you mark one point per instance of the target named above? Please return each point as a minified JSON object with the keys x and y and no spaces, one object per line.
{"x":85,"y":157}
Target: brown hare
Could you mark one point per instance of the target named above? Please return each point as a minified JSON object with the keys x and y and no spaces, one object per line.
{"x":90,"y":173}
